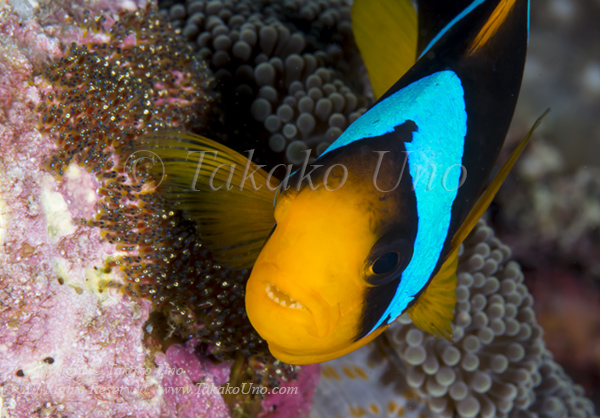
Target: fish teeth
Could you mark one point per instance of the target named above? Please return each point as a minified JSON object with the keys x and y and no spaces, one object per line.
{"x":272,"y":291}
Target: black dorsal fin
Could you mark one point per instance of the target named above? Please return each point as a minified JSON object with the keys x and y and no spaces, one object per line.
{"x":434,"y":15}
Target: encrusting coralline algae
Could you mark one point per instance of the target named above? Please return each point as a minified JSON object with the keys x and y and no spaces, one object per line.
{"x":68,"y":348}
{"x":74,"y":335}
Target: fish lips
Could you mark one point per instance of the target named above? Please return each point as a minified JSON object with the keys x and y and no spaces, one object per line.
{"x":273,"y":305}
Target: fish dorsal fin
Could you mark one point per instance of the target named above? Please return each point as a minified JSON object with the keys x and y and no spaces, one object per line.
{"x":434,"y":309}
{"x":488,"y":195}
{"x":434,"y":16}
{"x":498,"y":17}
{"x":386,"y":34}
{"x":229,"y":196}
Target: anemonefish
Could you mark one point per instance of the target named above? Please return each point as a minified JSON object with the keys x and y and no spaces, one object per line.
{"x":375,"y":230}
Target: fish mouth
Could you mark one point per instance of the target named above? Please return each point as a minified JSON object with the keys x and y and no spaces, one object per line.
{"x":309,"y":308}
{"x":282,"y":298}
{"x":323,"y":315}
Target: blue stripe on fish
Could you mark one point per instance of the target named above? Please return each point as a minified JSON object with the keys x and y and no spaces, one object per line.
{"x":528,"y":18}
{"x":452,"y":23}
{"x":436,"y":104}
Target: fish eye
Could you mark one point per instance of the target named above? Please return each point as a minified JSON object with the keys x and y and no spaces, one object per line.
{"x":386,"y":263}
{"x":388,"y":258}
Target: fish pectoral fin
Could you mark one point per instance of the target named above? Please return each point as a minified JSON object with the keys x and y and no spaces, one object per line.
{"x":386,"y":34}
{"x":229,"y":196}
{"x":488,"y":195}
{"x":433,"y":311}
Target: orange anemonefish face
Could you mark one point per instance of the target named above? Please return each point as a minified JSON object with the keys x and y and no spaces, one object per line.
{"x":314,"y":311}
{"x":306,"y":295}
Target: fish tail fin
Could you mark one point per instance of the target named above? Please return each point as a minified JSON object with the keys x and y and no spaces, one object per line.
{"x":229,"y":196}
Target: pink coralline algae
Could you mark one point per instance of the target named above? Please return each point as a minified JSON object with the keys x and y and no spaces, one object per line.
{"x":65,"y":339}
{"x":292,"y":399}
{"x":188,"y":378}
{"x":71,"y":343}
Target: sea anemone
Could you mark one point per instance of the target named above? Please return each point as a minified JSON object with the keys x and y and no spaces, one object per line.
{"x":292,"y":62}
